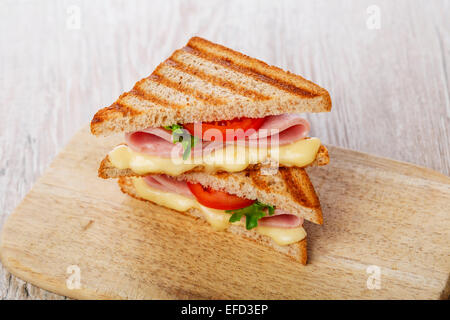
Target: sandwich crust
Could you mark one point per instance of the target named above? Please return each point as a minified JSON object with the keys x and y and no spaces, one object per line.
{"x":296,"y":251}
{"x":205,"y":81}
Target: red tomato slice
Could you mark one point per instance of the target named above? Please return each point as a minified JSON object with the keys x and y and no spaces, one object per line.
{"x":217,"y":199}
{"x":241,"y":128}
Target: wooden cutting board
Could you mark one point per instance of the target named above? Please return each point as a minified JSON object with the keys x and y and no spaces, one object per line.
{"x":386,"y":224}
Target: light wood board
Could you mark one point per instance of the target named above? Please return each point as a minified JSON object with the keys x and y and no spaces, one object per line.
{"x":378,"y":212}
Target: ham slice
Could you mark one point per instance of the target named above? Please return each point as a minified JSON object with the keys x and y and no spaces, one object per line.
{"x":159,"y":141}
{"x":284,"y":220}
{"x":280,"y":219}
{"x":154,"y":144}
{"x":168,"y":184}
{"x":281,"y":123}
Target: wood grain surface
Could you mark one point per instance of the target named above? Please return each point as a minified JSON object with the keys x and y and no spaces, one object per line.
{"x":390,"y":86}
{"x":377,"y":212}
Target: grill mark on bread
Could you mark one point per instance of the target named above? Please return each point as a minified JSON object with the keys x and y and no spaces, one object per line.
{"x":161,"y":79}
{"x":147,"y":95}
{"x":258,"y":180}
{"x":116,"y":107}
{"x":217,"y":81}
{"x":166,"y":105}
{"x":259,"y":66}
{"x":308,"y":199}
{"x":249,"y":71}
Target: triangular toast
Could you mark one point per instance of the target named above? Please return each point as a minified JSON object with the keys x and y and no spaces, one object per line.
{"x":296,"y":251}
{"x":205,"y":81}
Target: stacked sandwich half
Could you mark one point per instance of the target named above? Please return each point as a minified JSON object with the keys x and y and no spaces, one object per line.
{"x":217,"y":135}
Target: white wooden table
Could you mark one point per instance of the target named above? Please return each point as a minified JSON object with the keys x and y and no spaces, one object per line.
{"x":60,"y":61}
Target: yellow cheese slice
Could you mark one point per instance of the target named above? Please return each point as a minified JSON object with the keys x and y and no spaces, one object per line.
{"x":229,"y":159}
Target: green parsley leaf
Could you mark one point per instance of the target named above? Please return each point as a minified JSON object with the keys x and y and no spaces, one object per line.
{"x":179,"y":134}
{"x":252,"y":214}
{"x":235,"y":217}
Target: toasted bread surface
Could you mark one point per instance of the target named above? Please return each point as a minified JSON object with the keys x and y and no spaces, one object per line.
{"x":205,"y":81}
{"x":296,"y":251}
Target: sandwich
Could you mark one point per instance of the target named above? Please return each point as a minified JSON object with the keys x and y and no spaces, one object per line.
{"x":269,"y":209}
{"x":218,"y":135}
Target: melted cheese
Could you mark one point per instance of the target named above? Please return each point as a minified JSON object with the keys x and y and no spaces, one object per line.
{"x":218,"y":219}
{"x":230,"y":158}
{"x":283,"y":236}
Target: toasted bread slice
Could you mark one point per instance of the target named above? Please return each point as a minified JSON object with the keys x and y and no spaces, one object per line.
{"x":107,"y":169}
{"x":296,"y":251}
{"x":205,"y":81}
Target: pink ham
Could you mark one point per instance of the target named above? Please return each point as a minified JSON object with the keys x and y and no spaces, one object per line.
{"x":159,"y":141}
{"x":168,"y":184}
{"x":284,"y":220}
{"x":280,"y":219}
{"x":293,"y":123}
{"x":153,"y":144}
{"x":160,"y":132}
